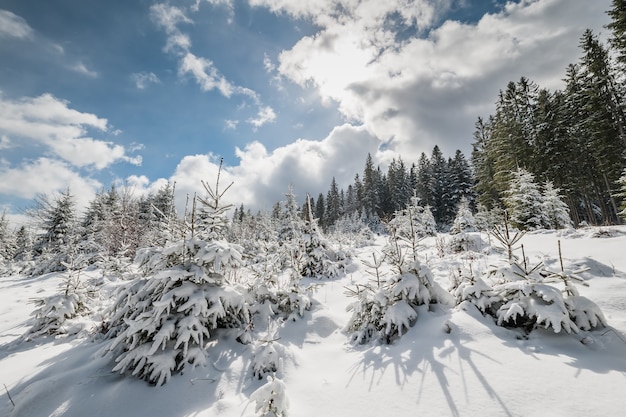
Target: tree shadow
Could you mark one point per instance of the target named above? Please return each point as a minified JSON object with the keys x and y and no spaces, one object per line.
{"x":415,"y":353}
{"x":79,"y":382}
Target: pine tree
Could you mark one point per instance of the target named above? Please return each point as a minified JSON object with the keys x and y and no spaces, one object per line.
{"x":23,"y":245}
{"x":320,"y":208}
{"x":464,"y":220}
{"x":423,"y":188}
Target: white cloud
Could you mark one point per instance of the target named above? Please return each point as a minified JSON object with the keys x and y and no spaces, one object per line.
{"x":262,"y":177}
{"x":168,"y":17}
{"x":5,"y":142}
{"x":231,"y":124}
{"x":46,"y":175}
{"x":49,"y":122}
{"x":204,"y":72}
{"x":266,"y":115}
{"x":12,"y":25}
{"x":82,"y":69}
{"x":414,"y":92}
{"x":143,"y":79}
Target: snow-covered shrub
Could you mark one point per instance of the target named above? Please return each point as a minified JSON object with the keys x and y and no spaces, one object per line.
{"x":464,"y":242}
{"x":53,"y":314}
{"x":276,"y":291}
{"x":271,"y":399}
{"x":525,"y":301}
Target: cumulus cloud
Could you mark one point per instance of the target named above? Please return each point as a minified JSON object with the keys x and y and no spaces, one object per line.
{"x":203,"y":70}
{"x":415,"y":91}
{"x":262,"y":177}
{"x":49,"y":122}
{"x":45,"y":175}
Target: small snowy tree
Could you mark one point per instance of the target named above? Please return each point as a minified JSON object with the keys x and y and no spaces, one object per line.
{"x":269,"y":355}
{"x":162,"y":324}
{"x":54,"y":314}
{"x":524,"y":201}
{"x":386,"y":312}
{"x":317,"y":257}
{"x":271,"y":399}
{"x":556,"y":212}
{"x":464,"y":220}
{"x":526,"y":297}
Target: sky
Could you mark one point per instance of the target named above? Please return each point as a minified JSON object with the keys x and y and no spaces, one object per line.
{"x":139,"y":93}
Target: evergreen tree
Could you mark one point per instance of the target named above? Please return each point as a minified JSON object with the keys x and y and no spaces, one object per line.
{"x":442,"y":206}
{"x":618,"y":30}
{"x":7,"y":240}
{"x":555,"y":210}
{"x":57,"y":244}
{"x":320,"y":208}
{"x":370,"y":199}
{"x":464,"y":220}
{"x":23,"y":245}
{"x":424,"y":180}
{"x":524,"y":201}
{"x":483,"y":160}
{"x":161,"y":324}
{"x":333,"y":204}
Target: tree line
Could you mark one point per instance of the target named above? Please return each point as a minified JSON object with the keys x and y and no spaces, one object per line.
{"x":574,"y":138}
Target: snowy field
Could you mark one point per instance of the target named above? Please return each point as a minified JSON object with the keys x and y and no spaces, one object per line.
{"x":452,"y":362}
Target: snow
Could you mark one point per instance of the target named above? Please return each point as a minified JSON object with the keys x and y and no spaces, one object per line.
{"x":451,"y":362}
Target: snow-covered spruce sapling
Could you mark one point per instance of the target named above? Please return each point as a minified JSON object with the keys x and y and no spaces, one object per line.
{"x":271,"y":399}
{"x":185,"y":297}
{"x":268,"y":354}
{"x":584,"y":312}
{"x":384,"y":314}
{"x":502,"y":233}
{"x":318,"y":259}
{"x":525,"y":298}
{"x":465,"y":288}
{"x":54,"y":313}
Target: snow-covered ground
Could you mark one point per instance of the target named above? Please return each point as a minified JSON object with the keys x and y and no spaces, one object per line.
{"x":475,"y":369}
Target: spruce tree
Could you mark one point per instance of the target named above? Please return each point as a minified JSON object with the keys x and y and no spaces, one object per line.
{"x":161,"y":324}
{"x":524,"y":201}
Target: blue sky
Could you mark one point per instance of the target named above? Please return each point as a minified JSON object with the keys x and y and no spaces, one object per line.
{"x":143,"y":92}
